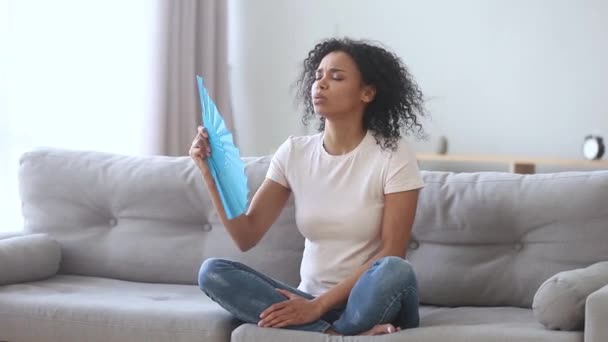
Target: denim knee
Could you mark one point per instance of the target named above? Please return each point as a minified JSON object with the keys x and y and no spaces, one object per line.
{"x":378,"y":297}
{"x":395,"y":272}
{"x":210,"y":274}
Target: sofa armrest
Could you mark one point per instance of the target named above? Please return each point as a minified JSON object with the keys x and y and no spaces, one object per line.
{"x":559,"y":303}
{"x":596,"y":316}
{"x":28,"y":258}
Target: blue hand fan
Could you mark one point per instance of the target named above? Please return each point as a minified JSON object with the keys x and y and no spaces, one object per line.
{"x":225,"y":162}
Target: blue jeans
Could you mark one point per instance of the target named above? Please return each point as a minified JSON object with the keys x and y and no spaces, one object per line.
{"x":386,"y":293}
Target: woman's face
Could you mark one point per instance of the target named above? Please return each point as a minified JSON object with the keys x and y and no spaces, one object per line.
{"x":338,"y":89}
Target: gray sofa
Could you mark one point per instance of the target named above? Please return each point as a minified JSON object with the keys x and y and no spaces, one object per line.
{"x":112,"y":246}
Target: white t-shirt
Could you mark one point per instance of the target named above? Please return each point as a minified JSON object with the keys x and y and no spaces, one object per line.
{"x":339,"y":201}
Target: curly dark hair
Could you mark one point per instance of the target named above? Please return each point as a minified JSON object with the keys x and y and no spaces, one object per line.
{"x":398,"y":104}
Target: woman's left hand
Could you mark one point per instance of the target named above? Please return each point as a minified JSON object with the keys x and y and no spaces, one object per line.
{"x":295,"y":310}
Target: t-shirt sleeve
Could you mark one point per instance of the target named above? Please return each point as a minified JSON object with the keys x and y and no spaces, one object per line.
{"x":277,"y":171}
{"x":402,"y":173}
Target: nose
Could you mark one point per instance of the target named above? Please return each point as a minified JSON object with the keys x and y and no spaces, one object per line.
{"x":322,"y":83}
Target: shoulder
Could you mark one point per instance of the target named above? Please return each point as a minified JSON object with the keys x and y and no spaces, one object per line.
{"x":300,"y":143}
{"x":401,"y":171}
{"x":303,"y":141}
{"x":402,"y":150}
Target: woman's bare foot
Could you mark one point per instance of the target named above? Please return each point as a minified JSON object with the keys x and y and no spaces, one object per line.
{"x":379,"y":329}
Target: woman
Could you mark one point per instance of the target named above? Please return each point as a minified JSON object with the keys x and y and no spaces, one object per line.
{"x":355,"y":185}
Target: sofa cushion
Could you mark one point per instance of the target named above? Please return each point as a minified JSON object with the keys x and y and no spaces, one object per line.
{"x":27,"y":258}
{"x":463,"y":324}
{"x":78,"y":308}
{"x":10,"y":234}
{"x":492,"y":238}
{"x":559,"y":302}
{"x":143,"y":218}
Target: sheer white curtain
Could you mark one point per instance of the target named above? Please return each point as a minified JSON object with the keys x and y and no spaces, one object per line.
{"x":75,"y":74}
{"x":114,"y":76}
{"x":5,"y":189}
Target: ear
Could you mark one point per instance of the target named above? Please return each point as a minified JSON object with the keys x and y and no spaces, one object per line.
{"x":368,"y":94}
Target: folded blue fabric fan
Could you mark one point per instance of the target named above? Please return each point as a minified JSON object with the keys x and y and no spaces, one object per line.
{"x":225,"y":162}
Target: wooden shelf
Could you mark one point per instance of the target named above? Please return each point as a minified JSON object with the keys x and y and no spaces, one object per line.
{"x":516,"y":164}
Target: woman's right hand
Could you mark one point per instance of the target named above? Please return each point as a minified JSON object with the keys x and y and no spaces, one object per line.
{"x":247,"y":229}
{"x":200,"y":150}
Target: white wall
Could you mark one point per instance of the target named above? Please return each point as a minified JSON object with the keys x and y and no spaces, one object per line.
{"x":508,"y":77}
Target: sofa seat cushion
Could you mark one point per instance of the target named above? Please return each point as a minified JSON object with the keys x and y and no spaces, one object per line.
{"x":461,"y":324}
{"x":81,"y":308}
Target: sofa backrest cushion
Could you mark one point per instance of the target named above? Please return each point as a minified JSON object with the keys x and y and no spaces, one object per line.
{"x":142,"y":218}
{"x":486,"y":238}
{"x":492,"y":238}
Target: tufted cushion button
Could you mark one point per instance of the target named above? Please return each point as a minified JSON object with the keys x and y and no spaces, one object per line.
{"x":518,"y":246}
{"x":113,"y":222}
{"x":414,"y":244}
{"x":207,"y":227}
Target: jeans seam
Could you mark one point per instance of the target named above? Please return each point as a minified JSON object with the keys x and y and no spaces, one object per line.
{"x":234,"y":310}
{"x":324,"y":326}
{"x":254,"y":273}
{"x":236,"y":313}
{"x":395,"y":297}
{"x":321,"y":324}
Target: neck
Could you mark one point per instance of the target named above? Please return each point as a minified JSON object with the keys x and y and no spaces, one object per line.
{"x":341,"y":137}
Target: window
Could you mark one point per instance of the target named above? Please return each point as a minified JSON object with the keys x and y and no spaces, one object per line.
{"x":75,"y":75}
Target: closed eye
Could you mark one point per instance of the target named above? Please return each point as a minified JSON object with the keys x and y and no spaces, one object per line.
{"x":334,"y":76}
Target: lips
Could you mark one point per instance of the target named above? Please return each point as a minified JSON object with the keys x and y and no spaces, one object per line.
{"x":318,"y":98}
